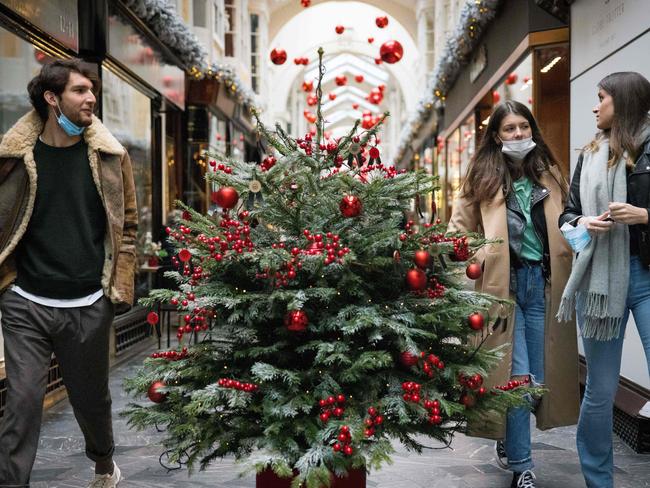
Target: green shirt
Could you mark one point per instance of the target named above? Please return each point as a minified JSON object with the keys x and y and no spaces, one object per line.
{"x":531,"y":248}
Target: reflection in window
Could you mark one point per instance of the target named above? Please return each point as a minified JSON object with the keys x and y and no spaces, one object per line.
{"x":19,"y":63}
{"x":127,"y":114}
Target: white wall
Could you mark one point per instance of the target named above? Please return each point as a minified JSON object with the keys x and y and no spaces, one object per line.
{"x":598,"y":29}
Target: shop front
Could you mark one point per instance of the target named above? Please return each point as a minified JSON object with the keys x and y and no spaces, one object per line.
{"x":524,"y":56}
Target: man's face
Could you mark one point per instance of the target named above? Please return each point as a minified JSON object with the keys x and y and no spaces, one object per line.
{"x":77,"y":100}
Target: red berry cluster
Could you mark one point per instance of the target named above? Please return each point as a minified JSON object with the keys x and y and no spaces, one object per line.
{"x":512,"y":384}
{"x":410,"y":230}
{"x":303,"y":61}
{"x":237,"y":385}
{"x":306,"y":144}
{"x":372,"y":421}
{"x":461,"y":249}
{"x":323,"y":244}
{"x":435,"y":289}
{"x":170,"y":355}
{"x":411,"y":391}
{"x":433,"y":406}
{"x":345,"y":441}
{"x":331,"y":406}
{"x":220,"y":167}
{"x":473,"y":382}
{"x":268,"y":162}
{"x":195,"y":321}
{"x":431,"y":363}
{"x":389,"y":171}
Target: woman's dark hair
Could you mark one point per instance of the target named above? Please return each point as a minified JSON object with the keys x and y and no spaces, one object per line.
{"x":54,"y":77}
{"x":490,"y":169}
{"x":630,"y":92}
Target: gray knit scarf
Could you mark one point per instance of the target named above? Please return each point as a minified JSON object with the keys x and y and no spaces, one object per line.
{"x":599,"y":277}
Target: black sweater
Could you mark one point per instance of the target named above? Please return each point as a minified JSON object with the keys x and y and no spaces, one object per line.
{"x":62,"y":253}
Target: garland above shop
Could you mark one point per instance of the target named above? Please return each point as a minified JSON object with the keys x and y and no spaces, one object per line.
{"x":160,"y":16}
{"x":475,"y":17}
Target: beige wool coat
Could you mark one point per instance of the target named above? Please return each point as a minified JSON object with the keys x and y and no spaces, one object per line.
{"x":560,"y":405}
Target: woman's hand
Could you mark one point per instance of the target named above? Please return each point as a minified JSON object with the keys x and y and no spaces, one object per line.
{"x":624,"y":213}
{"x":598,"y":224}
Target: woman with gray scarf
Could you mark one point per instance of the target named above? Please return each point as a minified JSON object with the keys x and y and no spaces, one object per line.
{"x":610,"y":198}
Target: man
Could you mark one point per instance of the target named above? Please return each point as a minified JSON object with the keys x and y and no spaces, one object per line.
{"x":68,"y":223}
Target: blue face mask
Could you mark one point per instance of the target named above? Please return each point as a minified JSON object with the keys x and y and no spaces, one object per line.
{"x":67,"y":125}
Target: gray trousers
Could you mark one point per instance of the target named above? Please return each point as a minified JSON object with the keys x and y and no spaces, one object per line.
{"x":79,"y":337}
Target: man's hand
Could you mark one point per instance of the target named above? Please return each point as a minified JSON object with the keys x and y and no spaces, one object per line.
{"x":624,"y":213}
{"x":598,"y":224}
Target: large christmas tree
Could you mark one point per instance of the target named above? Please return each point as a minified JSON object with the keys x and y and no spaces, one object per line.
{"x":328,"y":322}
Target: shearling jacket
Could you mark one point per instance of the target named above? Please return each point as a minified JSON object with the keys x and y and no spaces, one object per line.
{"x":113,"y":177}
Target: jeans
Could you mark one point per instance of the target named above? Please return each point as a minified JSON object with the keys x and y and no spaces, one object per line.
{"x":594,"y":437}
{"x":527,"y":360}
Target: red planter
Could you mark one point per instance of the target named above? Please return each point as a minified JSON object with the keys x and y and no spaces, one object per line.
{"x":268,"y":479}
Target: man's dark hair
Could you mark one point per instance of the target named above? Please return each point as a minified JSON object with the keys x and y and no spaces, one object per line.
{"x":54,"y":77}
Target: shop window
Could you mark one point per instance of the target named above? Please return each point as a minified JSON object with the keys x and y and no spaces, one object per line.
{"x":430,"y":39}
{"x":231,"y":27}
{"x":440,"y":165}
{"x":454,"y":176}
{"x":199,"y":13}
{"x":19,"y":63}
{"x":218,"y":20}
{"x":218,"y":135}
{"x":255,"y":52}
{"x":467,"y":144}
{"x":127,"y":115}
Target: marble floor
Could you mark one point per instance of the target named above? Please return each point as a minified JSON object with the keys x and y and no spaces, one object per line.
{"x":60,"y":461}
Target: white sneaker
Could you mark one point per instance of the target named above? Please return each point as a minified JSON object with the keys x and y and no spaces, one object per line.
{"x":107,"y":480}
{"x":500,"y":455}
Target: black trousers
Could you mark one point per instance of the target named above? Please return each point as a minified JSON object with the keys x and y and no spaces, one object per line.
{"x":79,"y":337}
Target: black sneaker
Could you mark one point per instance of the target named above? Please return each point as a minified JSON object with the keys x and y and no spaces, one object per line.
{"x":500,"y":455}
{"x":523,"y":480}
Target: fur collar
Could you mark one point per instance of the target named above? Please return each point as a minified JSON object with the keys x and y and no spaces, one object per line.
{"x":21,"y":138}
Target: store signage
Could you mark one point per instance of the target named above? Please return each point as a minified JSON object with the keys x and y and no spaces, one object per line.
{"x":478,"y":63}
{"x":600,"y":27}
{"x":134,"y":51}
{"x":58,"y":18}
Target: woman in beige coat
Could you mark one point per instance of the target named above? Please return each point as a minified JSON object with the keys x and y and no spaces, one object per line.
{"x":514,"y":191}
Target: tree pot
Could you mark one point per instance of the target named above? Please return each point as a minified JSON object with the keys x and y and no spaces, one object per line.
{"x":268,"y":479}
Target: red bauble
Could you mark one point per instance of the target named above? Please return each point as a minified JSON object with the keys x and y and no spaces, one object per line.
{"x":153,"y":393}
{"x":278,"y":56}
{"x":476,"y":321}
{"x":373,"y":152}
{"x":416,"y":279}
{"x":391,"y":52}
{"x":355,"y":106}
{"x":225,"y":197}
{"x":305,"y":3}
{"x":341,"y":80}
{"x":339,"y":29}
{"x":350,"y":206}
{"x":311,"y":118}
{"x":312,"y":100}
{"x":358,"y":78}
{"x":371,"y":40}
{"x":473,"y":271}
{"x":307,"y":86}
{"x":381,"y":21}
{"x":296,"y":320}
{"x":378,"y":61}
{"x":422,"y":259}
{"x":495,"y":97}
{"x":408,"y":359}
{"x":184,"y":255}
{"x":512,"y":79}
{"x":152,"y":318}
{"x":332,"y":96}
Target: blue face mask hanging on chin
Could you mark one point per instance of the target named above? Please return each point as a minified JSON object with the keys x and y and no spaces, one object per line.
{"x":67,"y":125}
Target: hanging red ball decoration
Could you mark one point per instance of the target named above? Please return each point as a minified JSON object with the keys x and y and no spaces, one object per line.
{"x":496,"y":98}
{"x":155,"y":395}
{"x":305,"y":3}
{"x":184,"y":255}
{"x":473,"y":271}
{"x":422,"y":259}
{"x":416,"y":279}
{"x":296,"y":320}
{"x":511,"y":79}
{"x":311,"y":117}
{"x":307,"y":86}
{"x":152,"y":318}
{"x":350,"y":206}
{"x":408,"y":359}
{"x":278,"y":56}
{"x":373,"y":152}
{"x":476,"y":321}
{"x":378,"y":61}
{"x":391,"y":52}
{"x":341,"y":80}
{"x":371,"y":40}
{"x":358,"y":78}
{"x":332,"y":96}
{"x":225,"y":197}
{"x":339,"y":29}
{"x":381,"y":22}
{"x":312,"y":100}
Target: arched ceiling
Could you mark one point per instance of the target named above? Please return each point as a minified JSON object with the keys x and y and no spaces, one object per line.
{"x":349,"y":54}
{"x":403,"y":11}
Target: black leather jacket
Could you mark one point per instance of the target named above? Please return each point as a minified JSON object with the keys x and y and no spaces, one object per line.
{"x":517,"y":225}
{"x":638,"y":194}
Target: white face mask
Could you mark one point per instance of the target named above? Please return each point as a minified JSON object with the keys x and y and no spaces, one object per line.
{"x":518,"y":149}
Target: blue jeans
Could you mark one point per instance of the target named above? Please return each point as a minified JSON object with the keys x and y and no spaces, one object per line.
{"x":527,"y":360}
{"x":595,"y":426}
